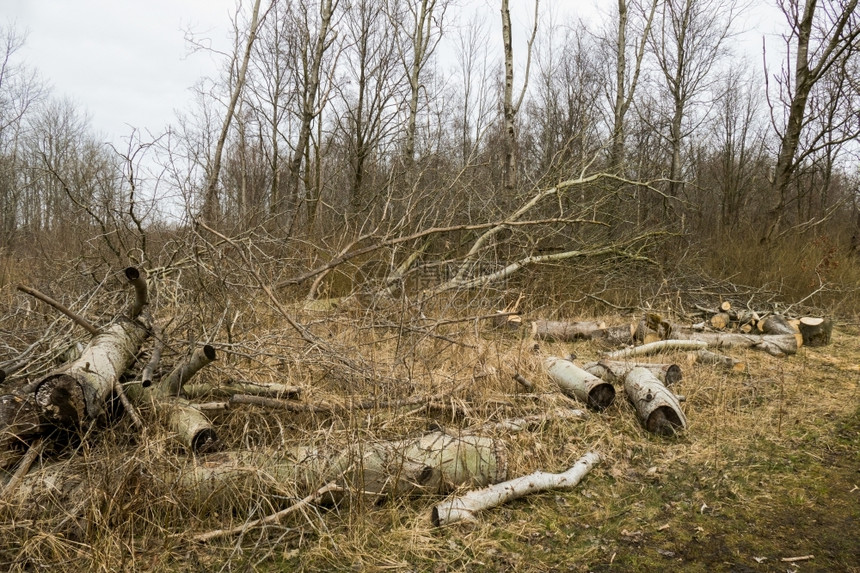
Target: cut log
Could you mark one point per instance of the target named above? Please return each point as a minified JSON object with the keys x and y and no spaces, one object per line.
{"x":79,"y":393}
{"x":565,"y":331}
{"x":725,"y":306}
{"x":432,"y":464}
{"x":188,"y":424}
{"x":656,"y":348}
{"x":720,"y":320}
{"x":465,"y":507}
{"x":776,"y":324}
{"x":579,"y":384}
{"x":172,"y":385}
{"x":616,"y":371}
{"x":435,"y":463}
{"x":727,"y":362}
{"x":816,"y":331}
{"x":658,"y":408}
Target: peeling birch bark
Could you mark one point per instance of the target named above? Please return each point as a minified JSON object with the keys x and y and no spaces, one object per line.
{"x":465,"y":507}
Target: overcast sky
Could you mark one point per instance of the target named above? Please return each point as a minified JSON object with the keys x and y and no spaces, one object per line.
{"x":126,"y":62}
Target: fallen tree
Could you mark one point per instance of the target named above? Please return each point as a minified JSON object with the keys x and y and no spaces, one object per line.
{"x":73,"y":397}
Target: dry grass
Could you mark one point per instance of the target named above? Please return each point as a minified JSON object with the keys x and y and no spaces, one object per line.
{"x":765,"y":453}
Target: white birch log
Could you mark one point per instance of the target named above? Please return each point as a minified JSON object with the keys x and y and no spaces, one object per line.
{"x":615,"y":370}
{"x":464,"y":507}
{"x":78,"y":393}
{"x":565,"y":331}
{"x":579,"y":384}
{"x":727,"y":362}
{"x":658,"y":409}
{"x":435,"y":463}
{"x":656,"y":348}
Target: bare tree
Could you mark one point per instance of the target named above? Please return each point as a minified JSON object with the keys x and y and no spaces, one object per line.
{"x":20,"y":91}
{"x":372,"y":93}
{"x":688,"y":41}
{"x":312,"y":53}
{"x":822,"y":36}
{"x":211,"y":208}
{"x":421,"y":25}
{"x":510,"y":107}
{"x":627,"y":36}
{"x":473,"y":71}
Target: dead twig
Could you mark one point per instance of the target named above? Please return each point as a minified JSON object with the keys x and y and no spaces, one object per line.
{"x":274,"y":518}
{"x":76,"y":318}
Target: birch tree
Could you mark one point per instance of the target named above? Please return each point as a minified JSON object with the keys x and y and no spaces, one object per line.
{"x":510,"y":106}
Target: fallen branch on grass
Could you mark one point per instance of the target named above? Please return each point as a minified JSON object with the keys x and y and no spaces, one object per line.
{"x":464,"y":507}
{"x":657,"y":347}
{"x":269,"y":519}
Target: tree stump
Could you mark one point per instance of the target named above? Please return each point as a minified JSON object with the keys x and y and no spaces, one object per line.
{"x":816,"y":331}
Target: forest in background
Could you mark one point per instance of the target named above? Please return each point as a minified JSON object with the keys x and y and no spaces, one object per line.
{"x":419,"y":143}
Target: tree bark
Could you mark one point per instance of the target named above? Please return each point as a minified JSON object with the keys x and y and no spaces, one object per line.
{"x":616,"y":371}
{"x":816,"y":331}
{"x":464,"y":507}
{"x":658,"y":408}
{"x":579,"y":384}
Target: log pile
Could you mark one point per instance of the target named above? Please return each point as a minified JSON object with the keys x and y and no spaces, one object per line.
{"x":76,"y":396}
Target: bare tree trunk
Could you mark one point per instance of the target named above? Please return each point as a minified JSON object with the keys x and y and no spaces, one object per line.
{"x":510,"y":107}
{"x":211,"y":204}
{"x":309,"y":110}
{"x":843,"y":29}
{"x":623,"y":92}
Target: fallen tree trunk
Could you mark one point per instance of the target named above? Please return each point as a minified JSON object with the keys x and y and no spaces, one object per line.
{"x":565,"y":331}
{"x":773,"y":344}
{"x":727,"y":362}
{"x":435,"y":463}
{"x":658,"y":408}
{"x":577,"y":383}
{"x":657,"y":347}
{"x":615,"y":371}
{"x":464,"y":507}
